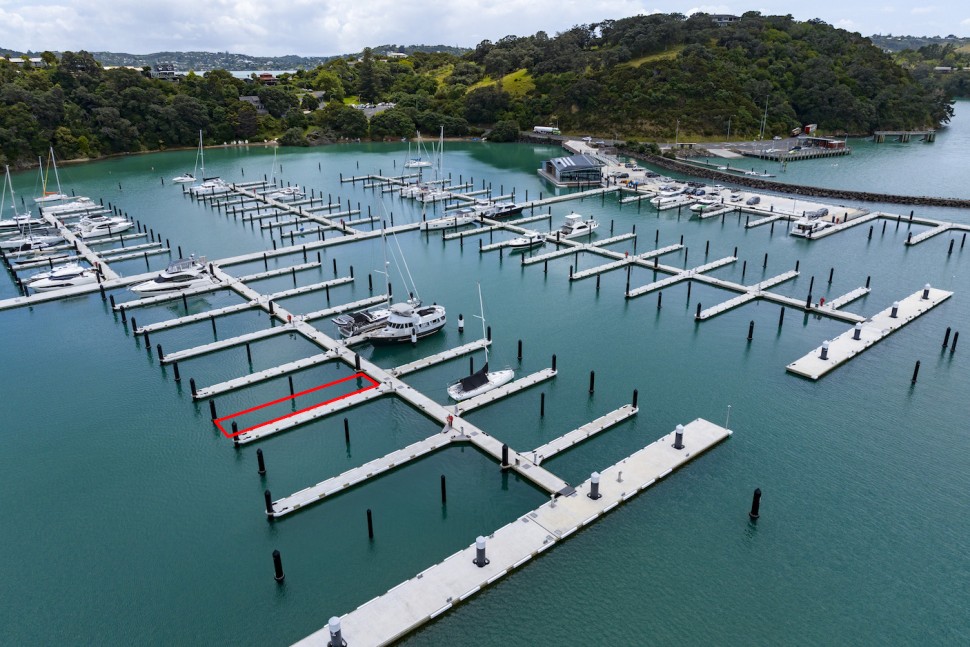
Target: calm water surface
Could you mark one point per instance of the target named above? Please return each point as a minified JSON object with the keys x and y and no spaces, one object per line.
{"x":129,"y":519}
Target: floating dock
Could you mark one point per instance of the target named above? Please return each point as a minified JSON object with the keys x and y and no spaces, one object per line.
{"x":434,"y":591}
{"x":846,"y":346}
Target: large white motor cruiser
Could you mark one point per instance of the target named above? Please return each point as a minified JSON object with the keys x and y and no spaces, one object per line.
{"x":180,"y":275}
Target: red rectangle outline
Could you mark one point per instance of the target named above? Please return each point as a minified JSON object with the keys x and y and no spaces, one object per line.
{"x":218,"y":421}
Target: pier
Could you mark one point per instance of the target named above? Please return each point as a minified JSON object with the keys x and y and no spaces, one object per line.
{"x":854,"y":341}
{"x":434,"y":591}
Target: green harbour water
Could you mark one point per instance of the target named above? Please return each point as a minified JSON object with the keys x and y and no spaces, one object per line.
{"x":129,"y":519}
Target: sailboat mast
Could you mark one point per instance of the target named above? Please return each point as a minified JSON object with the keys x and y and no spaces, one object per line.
{"x":481,"y":307}
{"x":56,"y":176}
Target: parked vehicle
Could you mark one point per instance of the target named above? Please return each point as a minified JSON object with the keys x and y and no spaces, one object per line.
{"x":753,"y":200}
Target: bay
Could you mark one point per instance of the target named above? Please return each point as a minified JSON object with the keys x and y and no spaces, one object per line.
{"x":128,"y":518}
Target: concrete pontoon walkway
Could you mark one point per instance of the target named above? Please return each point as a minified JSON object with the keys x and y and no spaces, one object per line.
{"x":435,"y":590}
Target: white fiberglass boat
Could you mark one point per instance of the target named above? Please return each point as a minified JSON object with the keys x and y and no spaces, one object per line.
{"x":406,"y":322}
{"x":51,"y":196}
{"x":79,"y":203}
{"x":64,"y":276}
{"x":285,"y":194}
{"x":35,"y":239}
{"x":190,"y":177}
{"x":482,"y":380}
{"x":529,"y":241}
{"x":181,"y":274}
{"x":94,"y":226}
{"x":460,"y":218}
{"x":810,"y":224}
{"x":576,"y":227}
{"x":704,"y":204}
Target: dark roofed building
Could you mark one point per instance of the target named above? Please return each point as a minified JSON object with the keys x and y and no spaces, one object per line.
{"x":573,"y":170}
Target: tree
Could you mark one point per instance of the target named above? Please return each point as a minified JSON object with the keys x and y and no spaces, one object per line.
{"x":391,"y":123}
{"x":504,"y":131}
{"x":367,"y":86}
{"x":294,"y":137}
{"x":484,"y":104}
{"x":341,"y":120}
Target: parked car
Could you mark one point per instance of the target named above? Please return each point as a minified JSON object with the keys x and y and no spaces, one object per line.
{"x":753,"y":200}
{"x":736,"y":197}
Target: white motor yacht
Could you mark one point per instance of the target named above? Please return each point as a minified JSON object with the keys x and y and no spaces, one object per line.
{"x":64,"y":276}
{"x":181,"y":274}
{"x":94,"y":226}
{"x":704,"y":204}
{"x":209,"y":186}
{"x":529,"y":241}
{"x":35,"y":239}
{"x":809,"y":225}
{"x":352,"y":324}
{"x":285,"y":194}
{"x":184,"y":178}
{"x":576,"y":227}
{"x":79,"y":203}
{"x":671,"y":201}
{"x":407,"y":322}
{"x":459,"y":218}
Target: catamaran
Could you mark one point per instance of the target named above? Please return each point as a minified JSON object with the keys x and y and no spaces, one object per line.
{"x":482,"y":380}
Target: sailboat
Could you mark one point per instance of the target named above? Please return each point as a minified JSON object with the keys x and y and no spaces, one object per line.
{"x":190,"y":177}
{"x":19,"y":220}
{"x":416,"y":162}
{"x":51,"y":196}
{"x":482,"y":380}
{"x":209,"y":185}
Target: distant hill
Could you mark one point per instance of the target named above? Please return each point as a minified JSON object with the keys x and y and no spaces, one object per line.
{"x":892,"y":43}
{"x":202,"y":61}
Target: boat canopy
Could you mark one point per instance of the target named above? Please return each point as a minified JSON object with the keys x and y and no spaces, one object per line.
{"x":475,"y":380}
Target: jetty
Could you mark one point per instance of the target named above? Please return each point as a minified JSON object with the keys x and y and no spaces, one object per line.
{"x":833,"y":353}
{"x":460,"y":576}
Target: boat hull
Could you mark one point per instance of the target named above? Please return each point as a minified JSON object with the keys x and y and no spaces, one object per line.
{"x":389,"y":340}
{"x":495,"y":380}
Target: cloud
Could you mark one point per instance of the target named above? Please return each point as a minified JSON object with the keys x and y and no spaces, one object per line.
{"x":329,"y":27}
{"x":846,"y":24}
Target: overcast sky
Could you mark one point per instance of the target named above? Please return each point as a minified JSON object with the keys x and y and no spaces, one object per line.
{"x":328,"y":27}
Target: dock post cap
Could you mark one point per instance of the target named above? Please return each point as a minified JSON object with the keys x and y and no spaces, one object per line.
{"x":334,"y":624}
{"x":479,"y":542}
{"x":594,"y":477}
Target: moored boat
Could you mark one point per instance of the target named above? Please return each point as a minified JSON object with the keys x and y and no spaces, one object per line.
{"x":576,"y":227}
{"x":94,"y":226}
{"x":529,"y":241}
{"x":407,"y":322}
{"x":179,"y":275}
{"x":482,"y":380}
{"x":64,"y":276}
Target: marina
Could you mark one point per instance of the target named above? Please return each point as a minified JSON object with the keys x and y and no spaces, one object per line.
{"x":385,"y":438}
